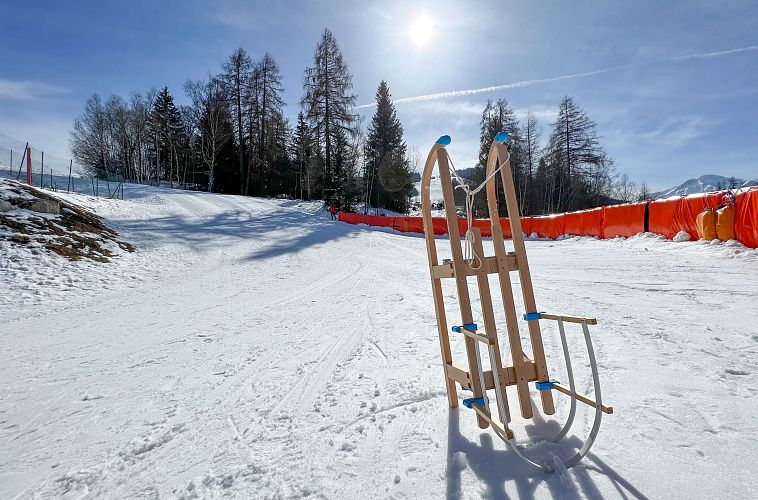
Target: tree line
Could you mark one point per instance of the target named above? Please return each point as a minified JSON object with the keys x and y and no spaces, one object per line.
{"x":570,"y":171}
{"x":233,"y":137}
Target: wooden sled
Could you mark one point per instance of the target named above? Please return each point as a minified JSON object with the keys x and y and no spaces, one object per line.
{"x":523,"y":368}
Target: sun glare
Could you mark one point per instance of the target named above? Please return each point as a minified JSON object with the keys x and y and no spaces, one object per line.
{"x":421,"y":31}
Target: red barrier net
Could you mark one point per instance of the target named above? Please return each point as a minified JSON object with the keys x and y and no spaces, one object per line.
{"x":623,"y":220}
{"x":746,"y":219}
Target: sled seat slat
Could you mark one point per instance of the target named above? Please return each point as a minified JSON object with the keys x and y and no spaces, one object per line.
{"x":490,"y":266}
{"x":462,"y":376}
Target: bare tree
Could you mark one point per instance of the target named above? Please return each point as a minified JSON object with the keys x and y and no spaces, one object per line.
{"x":625,"y":189}
{"x":211,"y":117}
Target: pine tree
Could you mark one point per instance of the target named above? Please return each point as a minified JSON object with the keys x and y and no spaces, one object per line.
{"x":302,"y":157}
{"x":532,"y":151}
{"x":235,"y":79}
{"x":579,"y":164}
{"x":167,"y":129}
{"x":499,"y":117}
{"x":387,"y":176}
{"x":328,"y":103}
{"x":266,"y":115}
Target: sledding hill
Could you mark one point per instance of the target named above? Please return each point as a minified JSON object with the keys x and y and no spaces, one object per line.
{"x":254,"y":348}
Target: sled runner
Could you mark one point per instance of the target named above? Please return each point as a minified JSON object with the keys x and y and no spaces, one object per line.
{"x":468,"y":260}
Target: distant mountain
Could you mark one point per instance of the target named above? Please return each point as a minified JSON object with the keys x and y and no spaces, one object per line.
{"x":704,"y":184}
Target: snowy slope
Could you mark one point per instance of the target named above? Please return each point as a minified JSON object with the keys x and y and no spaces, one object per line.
{"x":703,"y":184}
{"x":253,"y":348}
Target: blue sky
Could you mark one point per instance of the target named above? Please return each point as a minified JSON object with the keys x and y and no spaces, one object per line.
{"x":663,"y":117}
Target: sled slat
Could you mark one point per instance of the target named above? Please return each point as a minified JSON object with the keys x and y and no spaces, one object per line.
{"x":439,"y":303}
{"x":514,"y":217}
{"x":464,"y":300}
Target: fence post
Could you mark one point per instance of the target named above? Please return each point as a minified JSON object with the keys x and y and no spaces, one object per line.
{"x":28,"y":165}
{"x":21,"y":163}
{"x":10,"y":166}
{"x":70,"y":165}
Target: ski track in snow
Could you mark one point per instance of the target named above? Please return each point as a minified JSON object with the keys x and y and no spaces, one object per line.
{"x":253,"y":348}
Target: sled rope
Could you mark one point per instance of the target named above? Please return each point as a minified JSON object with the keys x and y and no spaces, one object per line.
{"x":469,"y":253}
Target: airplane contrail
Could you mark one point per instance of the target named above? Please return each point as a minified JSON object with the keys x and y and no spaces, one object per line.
{"x":529,"y":83}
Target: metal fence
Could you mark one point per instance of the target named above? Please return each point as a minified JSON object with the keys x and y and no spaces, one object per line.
{"x":25,"y":163}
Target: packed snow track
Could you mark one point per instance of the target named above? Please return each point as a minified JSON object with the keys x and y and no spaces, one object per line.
{"x":254,"y":348}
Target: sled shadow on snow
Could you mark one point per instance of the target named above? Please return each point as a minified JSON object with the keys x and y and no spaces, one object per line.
{"x":495,"y":468}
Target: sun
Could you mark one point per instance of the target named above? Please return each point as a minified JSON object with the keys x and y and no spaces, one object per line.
{"x":421,"y":31}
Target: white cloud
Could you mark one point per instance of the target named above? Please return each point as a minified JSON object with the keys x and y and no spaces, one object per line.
{"x":529,"y":83}
{"x":677,"y":131}
{"x":24,"y":90}
{"x":545,"y":114}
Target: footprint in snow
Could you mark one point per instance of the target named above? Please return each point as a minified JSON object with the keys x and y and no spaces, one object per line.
{"x":732,"y":371}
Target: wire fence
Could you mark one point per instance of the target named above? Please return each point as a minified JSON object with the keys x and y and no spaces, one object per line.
{"x":23,"y":162}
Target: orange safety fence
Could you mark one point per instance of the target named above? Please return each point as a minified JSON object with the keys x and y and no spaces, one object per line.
{"x":746,"y":218}
{"x":380,"y":221}
{"x":584,"y":223}
{"x":665,"y":217}
{"x":671,"y":215}
{"x":624,"y":220}
{"x":546,"y":226}
{"x":505,"y":225}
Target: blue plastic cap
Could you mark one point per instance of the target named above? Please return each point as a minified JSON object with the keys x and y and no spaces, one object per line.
{"x":502,"y":137}
{"x":444,"y":140}
{"x":545,"y":386}
{"x":532,"y":316}
{"x":470,"y":401}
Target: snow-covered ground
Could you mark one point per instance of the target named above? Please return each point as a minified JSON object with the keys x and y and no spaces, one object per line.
{"x":253,"y":348}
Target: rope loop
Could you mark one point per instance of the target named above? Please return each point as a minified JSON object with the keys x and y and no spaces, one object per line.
{"x":473,"y":260}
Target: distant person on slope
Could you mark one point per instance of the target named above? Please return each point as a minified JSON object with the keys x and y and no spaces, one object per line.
{"x":333,"y":212}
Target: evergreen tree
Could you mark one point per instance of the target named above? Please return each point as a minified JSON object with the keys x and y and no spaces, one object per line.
{"x":167,"y":131}
{"x":235,"y":79}
{"x":499,"y":117}
{"x":387,"y":174}
{"x":266,"y":116}
{"x":328,"y":103}
{"x":532,"y":135}
{"x":580,"y":166}
{"x":303,"y":158}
